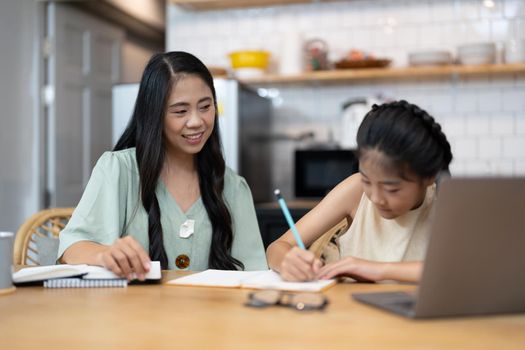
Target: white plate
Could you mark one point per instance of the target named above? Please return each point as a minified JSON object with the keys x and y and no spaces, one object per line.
{"x":432,"y":58}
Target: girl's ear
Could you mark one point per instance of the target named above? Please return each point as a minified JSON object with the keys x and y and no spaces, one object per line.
{"x":429,"y":180}
{"x":442,"y":175}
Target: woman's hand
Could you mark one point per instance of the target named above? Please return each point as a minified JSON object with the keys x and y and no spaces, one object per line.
{"x":125,"y":258}
{"x":358,"y":269}
{"x":299,"y":265}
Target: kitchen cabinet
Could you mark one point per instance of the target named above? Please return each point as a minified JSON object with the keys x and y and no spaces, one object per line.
{"x":423,"y":72}
{"x":203,"y":5}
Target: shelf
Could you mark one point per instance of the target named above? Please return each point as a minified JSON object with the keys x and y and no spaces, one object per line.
{"x":346,"y":75}
{"x":204,"y":5}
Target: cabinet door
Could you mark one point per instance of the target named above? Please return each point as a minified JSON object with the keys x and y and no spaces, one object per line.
{"x":83,"y":65}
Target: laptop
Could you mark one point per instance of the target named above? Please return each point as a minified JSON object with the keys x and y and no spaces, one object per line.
{"x":475,"y":262}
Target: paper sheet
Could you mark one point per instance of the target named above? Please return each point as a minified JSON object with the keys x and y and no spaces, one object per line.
{"x":267,"y":279}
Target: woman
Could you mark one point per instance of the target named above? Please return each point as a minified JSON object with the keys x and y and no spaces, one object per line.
{"x":164,"y":192}
{"x":401,"y":151}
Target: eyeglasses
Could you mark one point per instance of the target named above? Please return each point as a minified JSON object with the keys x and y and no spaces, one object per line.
{"x":298,"y":301}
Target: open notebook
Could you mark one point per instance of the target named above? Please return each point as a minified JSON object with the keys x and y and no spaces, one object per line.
{"x":39,"y":274}
{"x":267,"y":279}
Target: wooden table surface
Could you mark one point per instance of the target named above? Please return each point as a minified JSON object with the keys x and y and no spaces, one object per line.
{"x":170,"y":317}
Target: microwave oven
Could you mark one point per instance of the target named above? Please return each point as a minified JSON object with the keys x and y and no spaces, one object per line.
{"x":317,"y":171}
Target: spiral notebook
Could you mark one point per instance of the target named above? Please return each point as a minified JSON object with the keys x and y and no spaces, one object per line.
{"x":82,"y":283}
{"x":78,"y":276}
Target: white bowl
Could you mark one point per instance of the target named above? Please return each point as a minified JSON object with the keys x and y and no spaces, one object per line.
{"x":483,"y":53}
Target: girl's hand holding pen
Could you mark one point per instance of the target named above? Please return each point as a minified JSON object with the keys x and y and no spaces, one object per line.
{"x":300,"y":265}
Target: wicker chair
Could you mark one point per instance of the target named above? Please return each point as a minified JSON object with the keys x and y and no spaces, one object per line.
{"x":326,"y":247}
{"x":46,"y":223}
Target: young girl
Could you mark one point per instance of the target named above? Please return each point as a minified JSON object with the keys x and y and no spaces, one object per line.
{"x":164,"y":192}
{"x":401,"y":151}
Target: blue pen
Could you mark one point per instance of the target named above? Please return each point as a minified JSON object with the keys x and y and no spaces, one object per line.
{"x":289,"y":219}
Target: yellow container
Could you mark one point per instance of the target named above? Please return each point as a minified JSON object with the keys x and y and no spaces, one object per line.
{"x":250,"y":59}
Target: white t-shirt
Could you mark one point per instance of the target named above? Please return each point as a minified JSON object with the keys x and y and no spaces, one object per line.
{"x":373,"y":237}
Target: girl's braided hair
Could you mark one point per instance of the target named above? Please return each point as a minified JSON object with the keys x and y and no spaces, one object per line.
{"x":408,"y":135}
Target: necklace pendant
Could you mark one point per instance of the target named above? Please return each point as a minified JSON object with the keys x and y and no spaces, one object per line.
{"x":187,"y":228}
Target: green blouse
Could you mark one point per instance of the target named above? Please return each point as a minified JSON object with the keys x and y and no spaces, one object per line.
{"x":111,"y":208}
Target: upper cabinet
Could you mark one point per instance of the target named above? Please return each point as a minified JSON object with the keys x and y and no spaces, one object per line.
{"x":203,"y":5}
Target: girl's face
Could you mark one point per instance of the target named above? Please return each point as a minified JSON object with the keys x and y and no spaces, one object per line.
{"x":391,"y":194}
{"x":190,"y":115}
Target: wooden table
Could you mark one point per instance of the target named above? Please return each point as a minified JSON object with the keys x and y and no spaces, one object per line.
{"x":169,"y":317}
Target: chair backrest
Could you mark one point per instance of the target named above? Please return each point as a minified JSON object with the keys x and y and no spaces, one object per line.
{"x":45,"y":224}
{"x":326,"y":247}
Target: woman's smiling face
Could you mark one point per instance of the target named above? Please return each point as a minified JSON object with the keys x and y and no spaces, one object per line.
{"x":392,"y":194}
{"x":190,"y":115}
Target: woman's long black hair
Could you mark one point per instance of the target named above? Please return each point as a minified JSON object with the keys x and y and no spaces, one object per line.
{"x":145,"y":131}
{"x":408,"y":135}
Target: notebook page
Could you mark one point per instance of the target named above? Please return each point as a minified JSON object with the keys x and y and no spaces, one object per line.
{"x":215,"y":278}
{"x":40,"y":273}
{"x":272,"y":280}
{"x":98,"y":272}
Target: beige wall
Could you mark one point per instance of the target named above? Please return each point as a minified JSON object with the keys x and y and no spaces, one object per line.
{"x":153,"y":12}
{"x":134,"y":58}
{"x":137,"y":51}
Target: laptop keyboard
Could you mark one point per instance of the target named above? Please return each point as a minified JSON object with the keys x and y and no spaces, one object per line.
{"x":408,"y":304}
{"x":400,"y":302}
{"x":398,"y":298}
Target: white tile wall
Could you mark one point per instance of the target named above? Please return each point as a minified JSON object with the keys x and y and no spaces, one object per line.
{"x":502,"y":124}
{"x":519,"y":166}
{"x":520,"y":125}
{"x":484,"y":117}
{"x":465,"y":148}
{"x":513,"y":99}
{"x":490,"y":148}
